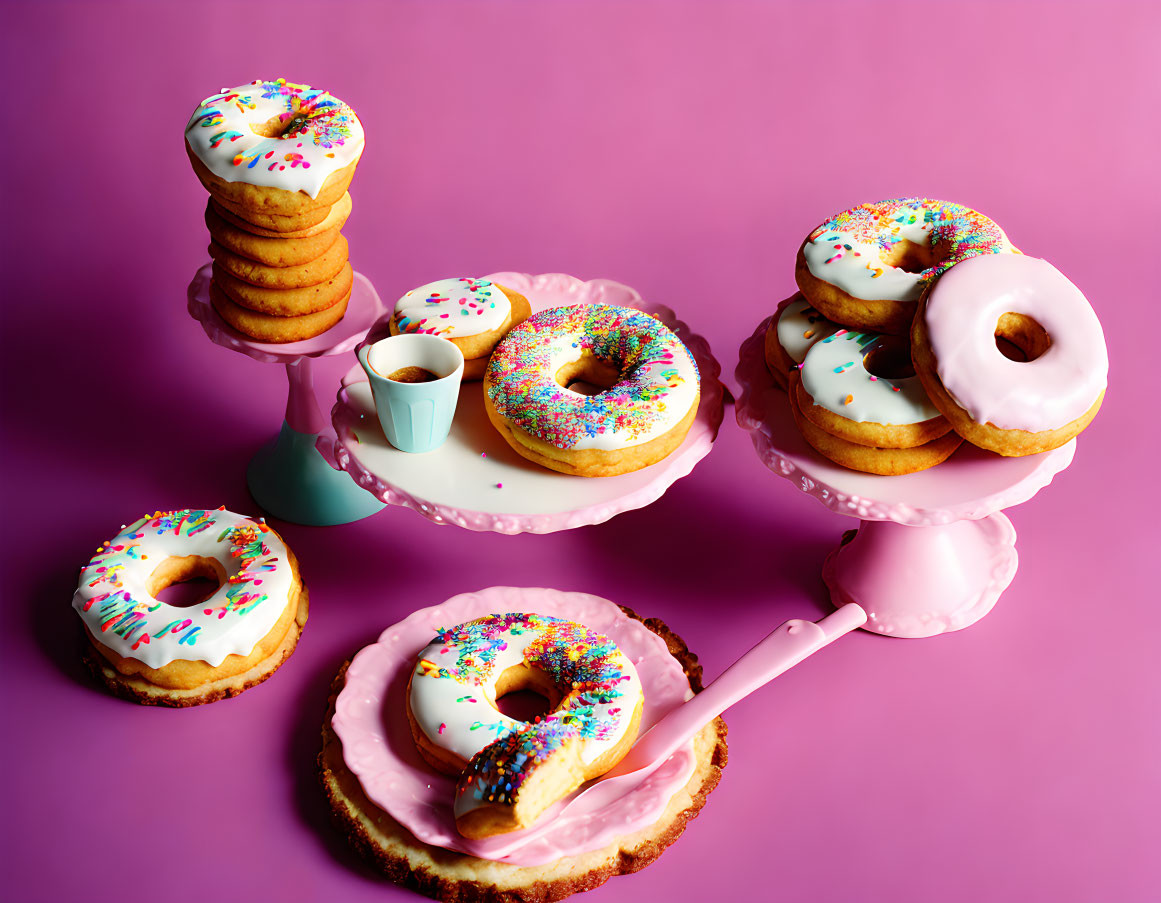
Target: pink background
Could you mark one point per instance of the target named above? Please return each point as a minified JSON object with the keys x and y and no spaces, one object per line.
{"x":685,"y":149}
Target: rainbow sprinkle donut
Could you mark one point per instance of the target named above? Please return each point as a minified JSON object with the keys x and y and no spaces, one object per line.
{"x":867,"y":266}
{"x":276,"y":134}
{"x":513,"y":770}
{"x":155,"y":652}
{"x":644,"y":413}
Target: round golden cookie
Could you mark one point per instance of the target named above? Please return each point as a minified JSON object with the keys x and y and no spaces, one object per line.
{"x":477,"y":349}
{"x":274,"y":252}
{"x":445,"y":875}
{"x":272,"y":222}
{"x":324,"y":267}
{"x":260,"y":199}
{"x":186,"y":683}
{"x":889,"y":462}
{"x":334,"y":221}
{"x":285,"y":302}
{"x":276,"y":330}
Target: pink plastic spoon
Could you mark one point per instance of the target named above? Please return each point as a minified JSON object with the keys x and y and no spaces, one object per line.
{"x":785,"y":647}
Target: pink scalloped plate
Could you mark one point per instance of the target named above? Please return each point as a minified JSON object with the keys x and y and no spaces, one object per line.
{"x":363,"y":310}
{"x":969,"y":485}
{"x":475,"y":480}
{"x":371,"y":721}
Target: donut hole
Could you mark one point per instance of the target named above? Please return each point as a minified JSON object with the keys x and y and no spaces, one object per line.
{"x":523,"y":705}
{"x":1020,"y":338}
{"x":588,"y":376}
{"x":526,"y":693}
{"x":184,"y":582}
{"x":913,"y":257}
{"x":889,"y":359}
{"x":279,"y":127}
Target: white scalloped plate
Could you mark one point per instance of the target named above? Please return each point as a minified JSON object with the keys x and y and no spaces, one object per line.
{"x":969,"y":485}
{"x":476,"y":481}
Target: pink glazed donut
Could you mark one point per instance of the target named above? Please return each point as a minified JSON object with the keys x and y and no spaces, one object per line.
{"x":1011,"y":353}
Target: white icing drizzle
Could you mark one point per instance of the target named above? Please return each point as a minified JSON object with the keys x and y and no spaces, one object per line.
{"x":112,"y":599}
{"x":834,"y":371}
{"x":453,"y":308}
{"x":446,"y":708}
{"x":800,"y":326}
{"x":329,"y":138}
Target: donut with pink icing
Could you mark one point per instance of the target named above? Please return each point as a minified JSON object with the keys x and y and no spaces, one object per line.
{"x":1011,"y":353}
{"x":867,"y":267}
{"x":509,"y":770}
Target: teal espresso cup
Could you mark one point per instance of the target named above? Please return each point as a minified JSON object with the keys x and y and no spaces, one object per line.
{"x":415,"y":378}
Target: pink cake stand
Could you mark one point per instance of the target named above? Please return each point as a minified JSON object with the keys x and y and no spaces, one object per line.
{"x":933,"y":551}
{"x":475,"y":480}
{"x":293,"y":476}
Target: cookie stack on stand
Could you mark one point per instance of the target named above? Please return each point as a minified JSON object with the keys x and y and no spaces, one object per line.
{"x":918,"y":325}
{"x":277,"y":158}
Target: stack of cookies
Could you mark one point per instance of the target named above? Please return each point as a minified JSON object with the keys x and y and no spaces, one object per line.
{"x":277,"y":158}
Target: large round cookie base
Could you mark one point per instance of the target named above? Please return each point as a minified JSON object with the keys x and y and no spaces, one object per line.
{"x":447,"y":876}
{"x":136,"y":689}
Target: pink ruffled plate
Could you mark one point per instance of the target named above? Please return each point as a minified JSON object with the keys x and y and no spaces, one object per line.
{"x":475,"y":480}
{"x":371,"y":721}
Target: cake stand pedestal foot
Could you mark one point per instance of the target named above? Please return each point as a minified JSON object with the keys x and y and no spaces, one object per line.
{"x":923,"y":581}
{"x":291,"y":479}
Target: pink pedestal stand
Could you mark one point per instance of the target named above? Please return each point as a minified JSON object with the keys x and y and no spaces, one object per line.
{"x":293,"y":477}
{"x":475,"y":480}
{"x":933,"y":551}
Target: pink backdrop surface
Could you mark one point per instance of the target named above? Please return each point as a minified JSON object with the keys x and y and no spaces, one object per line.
{"x":684,"y":149}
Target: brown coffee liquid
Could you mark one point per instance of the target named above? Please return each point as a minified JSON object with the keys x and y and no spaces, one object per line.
{"x":412,"y":375}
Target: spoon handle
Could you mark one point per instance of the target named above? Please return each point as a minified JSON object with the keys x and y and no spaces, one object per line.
{"x":785,"y":647}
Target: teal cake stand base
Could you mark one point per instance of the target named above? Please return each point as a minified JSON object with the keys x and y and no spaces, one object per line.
{"x":290,"y":478}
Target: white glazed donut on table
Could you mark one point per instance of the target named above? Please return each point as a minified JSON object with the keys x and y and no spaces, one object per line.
{"x":876,"y":424}
{"x":794,"y":329}
{"x":154,"y":652}
{"x":510,"y":771}
{"x":473,"y":314}
{"x":867,"y":267}
{"x":1005,"y":404}
{"x":650,"y":402}
{"x":275,"y":135}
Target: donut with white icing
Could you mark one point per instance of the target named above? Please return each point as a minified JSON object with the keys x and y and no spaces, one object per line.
{"x":1021,"y":402}
{"x":882,"y":424}
{"x":473,"y":314}
{"x":511,"y":771}
{"x":275,"y":148}
{"x":646,"y":389}
{"x":158,"y":653}
{"x":794,"y":328}
{"x":867,"y":267}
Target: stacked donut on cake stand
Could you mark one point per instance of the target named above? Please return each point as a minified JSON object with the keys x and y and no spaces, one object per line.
{"x":277,"y":158}
{"x":998,"y":349}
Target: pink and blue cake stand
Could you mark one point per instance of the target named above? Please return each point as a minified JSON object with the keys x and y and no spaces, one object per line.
{"x":294,"y":476}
